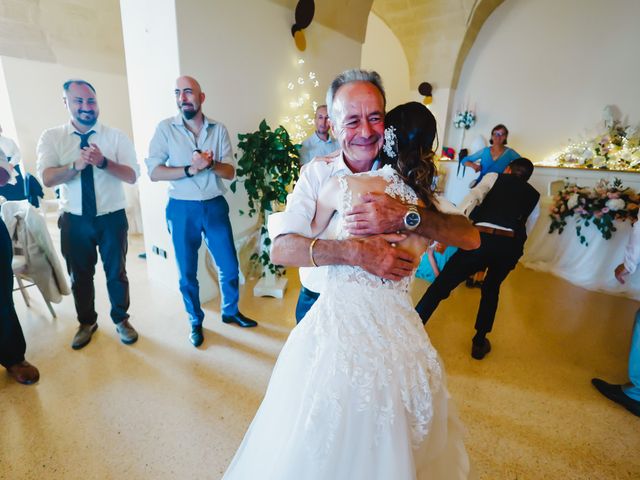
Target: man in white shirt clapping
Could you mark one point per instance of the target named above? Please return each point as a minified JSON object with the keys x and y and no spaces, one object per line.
{"x":89,"y":161}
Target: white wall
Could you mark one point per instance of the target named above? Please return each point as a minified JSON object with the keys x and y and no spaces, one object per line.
{"x":243,"y":55}
{"x":546,"y":69}
{"x":35,"y":92}
{"x":383,"y":52}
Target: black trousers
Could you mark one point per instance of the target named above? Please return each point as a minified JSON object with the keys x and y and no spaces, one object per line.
{"x":498,"y":254}
{"x":12,"y":344}
{"x":79,"y":238}
{"x":306,"y":299}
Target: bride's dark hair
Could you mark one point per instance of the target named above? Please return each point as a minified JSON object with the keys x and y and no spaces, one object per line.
{"x":410,"y":130}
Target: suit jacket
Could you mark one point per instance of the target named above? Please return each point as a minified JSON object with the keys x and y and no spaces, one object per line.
{"x":29,"y":234}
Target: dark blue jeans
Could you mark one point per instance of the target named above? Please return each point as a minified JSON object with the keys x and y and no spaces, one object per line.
{"x":188,"y":222}
{"x":79,"y":238}
{"x":12,"y":344}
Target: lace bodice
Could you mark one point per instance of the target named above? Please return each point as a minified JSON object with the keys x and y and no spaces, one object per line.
{"x":346,"y":273}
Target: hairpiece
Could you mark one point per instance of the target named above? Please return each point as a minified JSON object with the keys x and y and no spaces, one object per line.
{"x":390,"y":141}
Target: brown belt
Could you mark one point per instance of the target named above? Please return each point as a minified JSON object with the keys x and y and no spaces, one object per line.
{"x":496,"y":231}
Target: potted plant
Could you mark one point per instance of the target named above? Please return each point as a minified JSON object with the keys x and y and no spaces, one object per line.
{"x":268,"y":165}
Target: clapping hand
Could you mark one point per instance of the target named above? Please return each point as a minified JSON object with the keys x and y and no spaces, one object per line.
{"x":201,"y":159}
{"x":621,"y":273}
{"x":91,"y":155}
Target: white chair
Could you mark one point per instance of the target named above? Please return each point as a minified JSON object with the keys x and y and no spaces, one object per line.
{"x":19,"y":267}
{"x":35,"y":261}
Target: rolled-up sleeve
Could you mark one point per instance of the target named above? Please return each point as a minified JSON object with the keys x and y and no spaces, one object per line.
{"x":477,"y":194}
{"x":46,"y":154}
{"x":301,"y":203}
{"x":126,"y":153}
{"x":226,"y":152}
{"x":158,"y":150}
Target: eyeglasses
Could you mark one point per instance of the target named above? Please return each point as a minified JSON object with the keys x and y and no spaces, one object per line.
{"x":499,"y":134}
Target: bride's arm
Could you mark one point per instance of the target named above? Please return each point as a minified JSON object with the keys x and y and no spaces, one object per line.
{"x":326,"y":204}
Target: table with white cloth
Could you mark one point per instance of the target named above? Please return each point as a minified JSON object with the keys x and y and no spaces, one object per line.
{"x":590,"y":265}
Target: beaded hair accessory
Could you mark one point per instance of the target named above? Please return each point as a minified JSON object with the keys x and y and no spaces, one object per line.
{"x":390,"y":141}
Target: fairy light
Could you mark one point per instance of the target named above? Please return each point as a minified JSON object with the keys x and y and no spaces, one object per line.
{"x":298,"y":120}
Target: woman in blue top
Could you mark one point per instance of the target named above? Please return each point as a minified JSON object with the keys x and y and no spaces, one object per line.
{"x":494,"y":158}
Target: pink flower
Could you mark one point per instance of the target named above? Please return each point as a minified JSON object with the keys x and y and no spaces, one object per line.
{"x":605,"y":210}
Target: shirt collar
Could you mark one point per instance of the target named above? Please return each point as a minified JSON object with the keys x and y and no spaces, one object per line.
{"x":179,"y":120}
{"x":70,"y":129}
{"x":340,"y":164}
{"x":318,"y":139}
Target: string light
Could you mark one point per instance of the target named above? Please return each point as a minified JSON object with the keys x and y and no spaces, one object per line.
{"x":299,"y":119}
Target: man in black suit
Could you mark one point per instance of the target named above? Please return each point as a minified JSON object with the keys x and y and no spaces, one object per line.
{"x":503,"y":203}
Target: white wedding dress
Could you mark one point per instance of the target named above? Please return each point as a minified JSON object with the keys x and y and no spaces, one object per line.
{"x":358,"y":391}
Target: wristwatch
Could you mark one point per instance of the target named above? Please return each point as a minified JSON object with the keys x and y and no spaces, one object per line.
{"x":412,"y":218}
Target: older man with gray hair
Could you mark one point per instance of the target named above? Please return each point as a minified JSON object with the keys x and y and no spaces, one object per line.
{"x":356,"y":105}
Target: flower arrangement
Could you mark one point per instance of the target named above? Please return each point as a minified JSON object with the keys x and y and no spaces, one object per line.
{"x":616,"y":148}
{"x":465,"y":119}
{"x":601,"y":205}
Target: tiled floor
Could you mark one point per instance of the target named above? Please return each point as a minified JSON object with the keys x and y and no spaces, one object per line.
{"x":161,"y":409}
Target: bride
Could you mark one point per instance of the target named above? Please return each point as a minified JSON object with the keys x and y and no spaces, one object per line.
{"x":358,"y":391}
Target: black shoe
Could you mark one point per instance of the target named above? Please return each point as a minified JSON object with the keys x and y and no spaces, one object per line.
{"x":240,"y":319}
{"x":196,"y":337}
{"x":479,"y":350}
{"x":615,"y":394}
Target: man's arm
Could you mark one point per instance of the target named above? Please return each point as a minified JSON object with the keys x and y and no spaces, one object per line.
{"x":93,"y":156}
{"x":376,"y":254}
{"x":381,"y":213}
{"x":478,"y":193}
{"x":48,"y":162}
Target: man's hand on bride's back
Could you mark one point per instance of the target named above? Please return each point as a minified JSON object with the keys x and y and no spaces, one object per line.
{"x":379,"y":255}
{"x":378,"y":213}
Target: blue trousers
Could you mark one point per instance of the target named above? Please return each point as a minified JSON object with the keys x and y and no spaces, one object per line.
{"x":633,"y":389}
{"x":188,"y":222}
{"x":306,"y":299}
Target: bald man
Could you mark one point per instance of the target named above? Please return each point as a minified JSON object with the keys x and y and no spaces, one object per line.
{"x":193,"y":153}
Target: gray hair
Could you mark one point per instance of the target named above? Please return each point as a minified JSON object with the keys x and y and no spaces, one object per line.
{"x":354,"y":75}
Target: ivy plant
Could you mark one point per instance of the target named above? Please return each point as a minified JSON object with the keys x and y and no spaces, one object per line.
{"x":268,"y":165}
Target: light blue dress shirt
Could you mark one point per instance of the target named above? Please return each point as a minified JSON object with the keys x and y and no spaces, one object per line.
{"x":314,"y":147}
{"x":173,"y":144}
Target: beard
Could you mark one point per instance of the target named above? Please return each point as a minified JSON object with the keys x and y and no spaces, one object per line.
{"x":190,"y":112}
{"x":90,"y":121}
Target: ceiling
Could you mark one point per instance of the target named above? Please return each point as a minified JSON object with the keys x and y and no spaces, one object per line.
{"x":436,"y":35}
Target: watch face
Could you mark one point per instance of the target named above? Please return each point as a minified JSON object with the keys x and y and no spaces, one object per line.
{"x":412,"y":219}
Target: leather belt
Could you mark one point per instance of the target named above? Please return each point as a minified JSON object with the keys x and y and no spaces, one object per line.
{"x":496,"y":231}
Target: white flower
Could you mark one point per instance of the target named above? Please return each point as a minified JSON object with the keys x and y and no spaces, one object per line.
{"x":599,"y":161}
{"x":573,"y":201}
{"x":615,"y":204}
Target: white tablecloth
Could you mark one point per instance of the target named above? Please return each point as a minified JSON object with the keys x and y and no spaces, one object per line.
{"x":591,"y":266}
